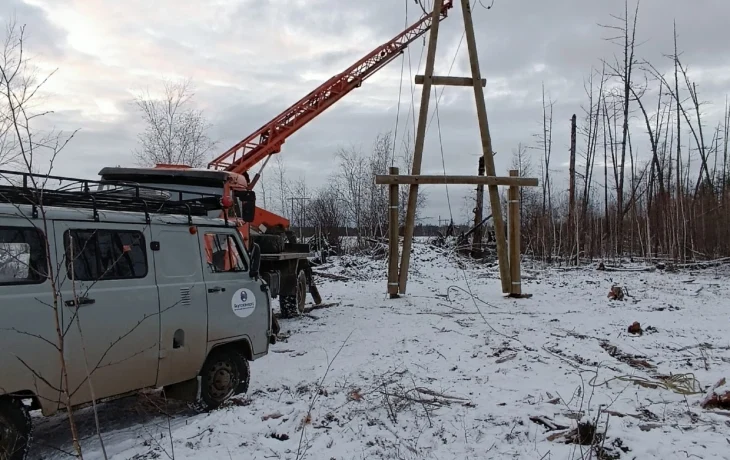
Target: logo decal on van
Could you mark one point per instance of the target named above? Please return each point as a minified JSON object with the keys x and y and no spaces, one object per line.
{"x":243,"y":303}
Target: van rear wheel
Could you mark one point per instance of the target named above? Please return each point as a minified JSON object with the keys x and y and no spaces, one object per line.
{"x":222,"y":376}
{"x":15,"y":429}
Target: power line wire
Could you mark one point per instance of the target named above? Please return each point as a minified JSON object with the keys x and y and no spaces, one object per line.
{"x":412,"y":108}
{"x":443,"y":160}
{"x":486,"y":7}
{"x":400,"y":92}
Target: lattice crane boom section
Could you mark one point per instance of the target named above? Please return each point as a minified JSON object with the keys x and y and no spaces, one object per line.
{"x":268,"y":139}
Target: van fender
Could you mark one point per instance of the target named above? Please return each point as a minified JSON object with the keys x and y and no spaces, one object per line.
{"x":189,"y":390}
{"x":242,"y":344}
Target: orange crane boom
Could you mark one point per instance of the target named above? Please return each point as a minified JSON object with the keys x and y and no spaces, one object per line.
{"x":268,"y":139}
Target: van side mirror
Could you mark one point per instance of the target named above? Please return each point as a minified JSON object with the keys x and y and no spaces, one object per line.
{"x":247,"y":200}
{"x":255,"y":261}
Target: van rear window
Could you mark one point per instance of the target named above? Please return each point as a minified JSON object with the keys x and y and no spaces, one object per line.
{"x":22,"y":256}
{"x":100,"y":254}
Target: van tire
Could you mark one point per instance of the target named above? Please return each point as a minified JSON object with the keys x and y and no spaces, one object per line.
{"x":220,"y":377}
{"x":15,"y":429}
{"x":293,"y":305}
{"x":244,"y":373}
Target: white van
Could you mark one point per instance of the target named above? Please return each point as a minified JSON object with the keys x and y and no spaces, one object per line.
{"x":146,"y":293}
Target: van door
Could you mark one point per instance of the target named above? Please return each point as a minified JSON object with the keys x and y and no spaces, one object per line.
{"x":183,"y":303}
{"x":27,"y":318}
{"x":118,"y":311}
{"x":237,"y":306}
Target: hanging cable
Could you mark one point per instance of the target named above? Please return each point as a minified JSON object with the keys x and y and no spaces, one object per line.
{"x":400,"y":92}
{"x":485,"y":6}
{"x":412,"y":108}
{"x":438,"y":118}
{"x":451,"y":68}
{"x":443,"y":160}
{"x":448,"y":199}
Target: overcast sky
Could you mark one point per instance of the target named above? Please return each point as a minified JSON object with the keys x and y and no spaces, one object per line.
{"x":250,"y":59}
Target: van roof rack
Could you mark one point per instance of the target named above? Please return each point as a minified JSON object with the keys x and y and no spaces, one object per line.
{"x":22,"y":188}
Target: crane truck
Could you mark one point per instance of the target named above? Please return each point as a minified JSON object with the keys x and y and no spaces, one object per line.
{"x":284,"y":262}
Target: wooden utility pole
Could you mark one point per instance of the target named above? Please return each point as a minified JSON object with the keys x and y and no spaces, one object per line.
{"x":476,"y":242}
{"x":488,"y":152}
{"x":489,"y":176}
{"x":573,"y":242}
{"x":393,"y":239}
{"x":513,"y":209}
{"x":418,"y":150}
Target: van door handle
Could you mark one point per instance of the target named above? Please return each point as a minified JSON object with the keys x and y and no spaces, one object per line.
{"x":216,"y":289}
{"x":82,"y":301}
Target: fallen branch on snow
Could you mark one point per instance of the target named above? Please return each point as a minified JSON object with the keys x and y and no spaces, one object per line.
{"x":547,"y":423}
{"x":331,"y":276}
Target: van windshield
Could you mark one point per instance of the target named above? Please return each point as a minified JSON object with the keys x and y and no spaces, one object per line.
{"x":223,"y":253}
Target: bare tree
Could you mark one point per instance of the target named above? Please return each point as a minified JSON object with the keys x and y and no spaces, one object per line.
{"x":591,"y":132}
{"x":175,"y":131}
{"x":726,"y":143}
{"x":282,"y":187}
{"x":572,"y":221}
{"x":9,"y":151}
{"x":622,"y":69}
{"x":660,"y":198}
{"x":522,"y":162}
{"x":19,"y":84}
{"x":326,"y":214}
{"x":352,"y":183}
{"x":546,"y":142}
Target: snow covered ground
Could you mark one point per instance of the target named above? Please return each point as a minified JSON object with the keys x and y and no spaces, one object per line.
{"x":455,"y":371}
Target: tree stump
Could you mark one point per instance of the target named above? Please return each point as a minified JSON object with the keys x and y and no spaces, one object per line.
{"x":616,"y":293}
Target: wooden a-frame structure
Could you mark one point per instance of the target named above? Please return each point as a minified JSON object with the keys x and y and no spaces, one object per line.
{"x":509,"y":257}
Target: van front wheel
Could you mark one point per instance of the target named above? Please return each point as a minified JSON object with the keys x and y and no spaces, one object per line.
{"x":15,"y":429}
{"x":221,"y":377}
{"x":245,"y":375}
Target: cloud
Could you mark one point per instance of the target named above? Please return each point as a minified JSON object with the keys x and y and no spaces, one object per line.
{"x":250,"y":59}
{"x":43,"y":36}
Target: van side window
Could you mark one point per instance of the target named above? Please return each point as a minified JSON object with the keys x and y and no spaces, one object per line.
{"x":105,"y":254}
{"x":22,"y":256}
{"x":223,"y":253}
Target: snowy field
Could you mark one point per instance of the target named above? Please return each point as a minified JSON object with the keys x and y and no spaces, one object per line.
{"x":455,"y":371}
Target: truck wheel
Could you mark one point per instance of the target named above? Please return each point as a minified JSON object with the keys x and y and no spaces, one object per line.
{"x":221,"y":377}
{"x":15,"y":429}
{"x":293,"y":305}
